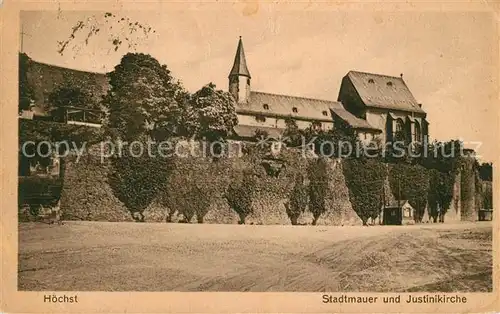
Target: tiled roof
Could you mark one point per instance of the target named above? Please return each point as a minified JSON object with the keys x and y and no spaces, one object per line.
{"x":306,"y":108}
{"x":353,"y":121}
{"x":384,"y":91}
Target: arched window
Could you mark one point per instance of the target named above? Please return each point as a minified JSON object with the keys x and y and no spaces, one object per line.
{"x":418,"y":132}
{"x":400,"y":125}
{"x":399,"y":134}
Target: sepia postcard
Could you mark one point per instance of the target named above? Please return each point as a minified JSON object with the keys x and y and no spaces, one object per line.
{"x":249,"y":156}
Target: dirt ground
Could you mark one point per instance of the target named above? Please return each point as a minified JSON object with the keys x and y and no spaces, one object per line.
{"x":105,"y":256}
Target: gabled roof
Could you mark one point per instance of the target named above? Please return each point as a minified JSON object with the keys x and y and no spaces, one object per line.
{"x":306,"y":109}
{"x":383,"y":91}
{"x":352,"y":120}
{"x":283,"y":105}
{"x":240,"y":62}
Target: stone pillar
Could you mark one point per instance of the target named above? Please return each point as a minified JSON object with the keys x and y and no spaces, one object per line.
{"x":453,"y":214}
{"x":468,"y":190}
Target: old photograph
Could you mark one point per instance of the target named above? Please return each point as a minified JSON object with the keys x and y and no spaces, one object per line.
{"x":263,"y":150}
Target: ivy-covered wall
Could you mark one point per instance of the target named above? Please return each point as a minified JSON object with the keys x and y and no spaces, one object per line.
{"x":468,"y":191}
{"x":87,"y":194}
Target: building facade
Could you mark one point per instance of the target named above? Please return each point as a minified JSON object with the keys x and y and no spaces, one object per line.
{"x":375,"y":106}
{"x":386,"y":103}
{"x":269,"y":112}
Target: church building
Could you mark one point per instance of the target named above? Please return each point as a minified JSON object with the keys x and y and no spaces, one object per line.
{"x":375,"y":106}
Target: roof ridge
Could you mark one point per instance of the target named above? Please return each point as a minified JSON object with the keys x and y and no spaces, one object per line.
{"x":376,"y":74}
{"x":67,"y":68}
{"x":293,"y":96}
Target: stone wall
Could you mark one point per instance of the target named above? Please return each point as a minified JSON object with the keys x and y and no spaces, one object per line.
{"x":468,"y":211}
{"x":87,"y":195}
{"x":454,"y":212}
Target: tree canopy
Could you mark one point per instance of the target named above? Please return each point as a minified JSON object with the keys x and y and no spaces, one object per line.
{"x":144,"y":98}
{"x":211,"y":113}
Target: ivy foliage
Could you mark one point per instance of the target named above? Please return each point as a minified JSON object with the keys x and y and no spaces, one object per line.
{"x":440,"y":193}
{"x":240,"y":194}
{"x":38,"y":131}
{"x":487,"y":196}
{"x":486,"y":171}
{"x":298,"y":200}
{"x":339,"y":141}
{"x":365,"y":180}
{"x":410,"y":182}
{"x":191,"y":188}
{"x":71,"y":96}
{"x":137,"y":179}
{"x":318,"y":187}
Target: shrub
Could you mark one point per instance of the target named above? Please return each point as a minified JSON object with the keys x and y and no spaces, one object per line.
{"x":487,"y":197}
{"x":239,"y":195}
{"x":440,"y":193}
{"x":38,"y":131}
{"x":318,"y":187}
{"x":297,"y":202}
{"x":410,"y":182}
{"x":486,"y":171}
{"x":190,"y":199}
{"x":365,"y":181}
{"x":137,"y":181}
{"x":193,"y":185}
{"x":35,"y":191}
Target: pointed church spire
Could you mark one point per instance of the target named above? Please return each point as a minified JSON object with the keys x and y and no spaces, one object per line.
{"x":240,"y":63}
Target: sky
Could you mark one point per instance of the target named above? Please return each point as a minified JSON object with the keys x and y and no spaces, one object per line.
{"x":449,"y":59}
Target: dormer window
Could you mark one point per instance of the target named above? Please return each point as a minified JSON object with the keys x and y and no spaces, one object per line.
{"x":325,"y":113}
{"x":265,"y":106}
{"x":371,"y":81}
{"x":295,"y":110}
{"x":260,"y":119}
{"x":389,"y":83}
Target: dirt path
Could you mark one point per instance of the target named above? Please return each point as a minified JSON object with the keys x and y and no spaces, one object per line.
{"x":164,"y":257}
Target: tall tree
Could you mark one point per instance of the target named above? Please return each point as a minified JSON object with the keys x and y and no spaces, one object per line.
{"x":144,"y":98}
{"x":211,"y":113}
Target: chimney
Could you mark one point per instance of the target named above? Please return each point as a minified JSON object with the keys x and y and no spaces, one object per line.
{"x":401,"y":75}
{"x":420,"y":105}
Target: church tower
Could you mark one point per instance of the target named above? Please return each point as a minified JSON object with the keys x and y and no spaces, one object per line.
{"x":239,"y":77}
